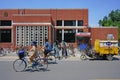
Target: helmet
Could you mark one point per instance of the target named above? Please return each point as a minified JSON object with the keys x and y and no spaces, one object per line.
{"x":33,"y":43}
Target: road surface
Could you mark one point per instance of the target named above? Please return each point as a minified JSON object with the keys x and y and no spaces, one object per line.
{"x":66,"y":70}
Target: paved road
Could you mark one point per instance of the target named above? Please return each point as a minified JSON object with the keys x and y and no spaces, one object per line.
{"x":66,"y":70}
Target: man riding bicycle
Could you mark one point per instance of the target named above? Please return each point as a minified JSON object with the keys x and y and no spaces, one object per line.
{"x":47,"y":48}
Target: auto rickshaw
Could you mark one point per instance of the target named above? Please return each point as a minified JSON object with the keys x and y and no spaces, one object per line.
{"x":105,"y":49}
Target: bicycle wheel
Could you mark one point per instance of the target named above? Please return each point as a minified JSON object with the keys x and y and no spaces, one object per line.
{"x":51,"y":59}
{"x":42,"y":64}
{"x":19,"y":65}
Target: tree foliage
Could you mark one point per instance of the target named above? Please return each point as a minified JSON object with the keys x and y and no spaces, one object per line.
{"x":113,"y":19}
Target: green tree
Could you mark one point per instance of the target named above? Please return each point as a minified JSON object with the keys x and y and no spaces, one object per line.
{"x":113,"y":19}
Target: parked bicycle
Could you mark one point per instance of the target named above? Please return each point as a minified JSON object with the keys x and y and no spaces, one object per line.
{"x":2,"y":52}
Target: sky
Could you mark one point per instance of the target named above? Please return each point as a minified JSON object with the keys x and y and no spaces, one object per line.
{"x":97,"y":8}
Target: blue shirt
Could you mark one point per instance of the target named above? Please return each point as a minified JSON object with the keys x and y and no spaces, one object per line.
{"x":48,"y":46}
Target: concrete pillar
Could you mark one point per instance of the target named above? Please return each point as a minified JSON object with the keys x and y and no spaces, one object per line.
{"x":0,"y":36}
{"x":62,"y":30}
{"x":76,"y":25}
{"x":62,"y":34}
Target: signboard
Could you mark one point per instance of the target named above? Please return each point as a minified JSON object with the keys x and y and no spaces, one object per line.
{"x":113,"y":43}
{"x":108,"y":43}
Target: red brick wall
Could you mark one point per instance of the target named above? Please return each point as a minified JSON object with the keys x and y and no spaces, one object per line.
{"x":73,"y":14}
{"x":101,"y":33}
{"x":54,"y":14}
{"x":6,"y":45}
{"x":47,"y":15}
{"x":32,"y":19}
{"x":37,"y":11}
{"x":10,"y":13}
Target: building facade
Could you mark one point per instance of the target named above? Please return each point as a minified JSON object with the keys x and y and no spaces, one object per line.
{"x":103,"y":33}
{"x":21,"y":26}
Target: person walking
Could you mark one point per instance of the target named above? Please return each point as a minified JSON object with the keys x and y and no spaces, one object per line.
{"x":56,"y":47}
{"x":64,"y":49}
{"x":71,"y":48}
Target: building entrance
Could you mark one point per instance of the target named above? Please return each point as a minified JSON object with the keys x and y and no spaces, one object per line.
{"x":68,"y":35}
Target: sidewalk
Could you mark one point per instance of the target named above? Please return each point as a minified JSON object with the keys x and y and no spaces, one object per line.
{"x":13,"y":56}
{"x":8,"y":57}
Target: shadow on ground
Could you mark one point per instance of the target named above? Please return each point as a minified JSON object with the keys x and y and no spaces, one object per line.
{"x":114,"y":59}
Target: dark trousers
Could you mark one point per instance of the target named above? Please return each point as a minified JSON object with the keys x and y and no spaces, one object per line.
{"x":64,"y":52}
{"x":46,"y":52}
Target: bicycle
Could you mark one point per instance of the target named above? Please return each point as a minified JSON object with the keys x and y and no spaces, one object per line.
{"x":20,"y":65}
{"x":51,"y":57}
{"x":2,"y":52}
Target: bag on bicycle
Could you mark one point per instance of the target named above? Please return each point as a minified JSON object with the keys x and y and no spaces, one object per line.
{"x":21,"y":54}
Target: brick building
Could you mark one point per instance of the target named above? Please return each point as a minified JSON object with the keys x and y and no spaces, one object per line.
{"x":102,"y":33}
{"x":21,"y":26}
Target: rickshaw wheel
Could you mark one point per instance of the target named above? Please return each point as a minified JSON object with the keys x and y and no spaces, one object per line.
{"x":83,"y":57}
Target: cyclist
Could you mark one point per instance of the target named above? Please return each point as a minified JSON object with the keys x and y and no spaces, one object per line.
{"x":47,"y":48}
{"x":34,"y":52}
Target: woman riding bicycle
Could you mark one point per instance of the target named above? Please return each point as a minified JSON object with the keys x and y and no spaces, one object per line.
{"x":32,"y":61}
{"x":34,"y":52}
